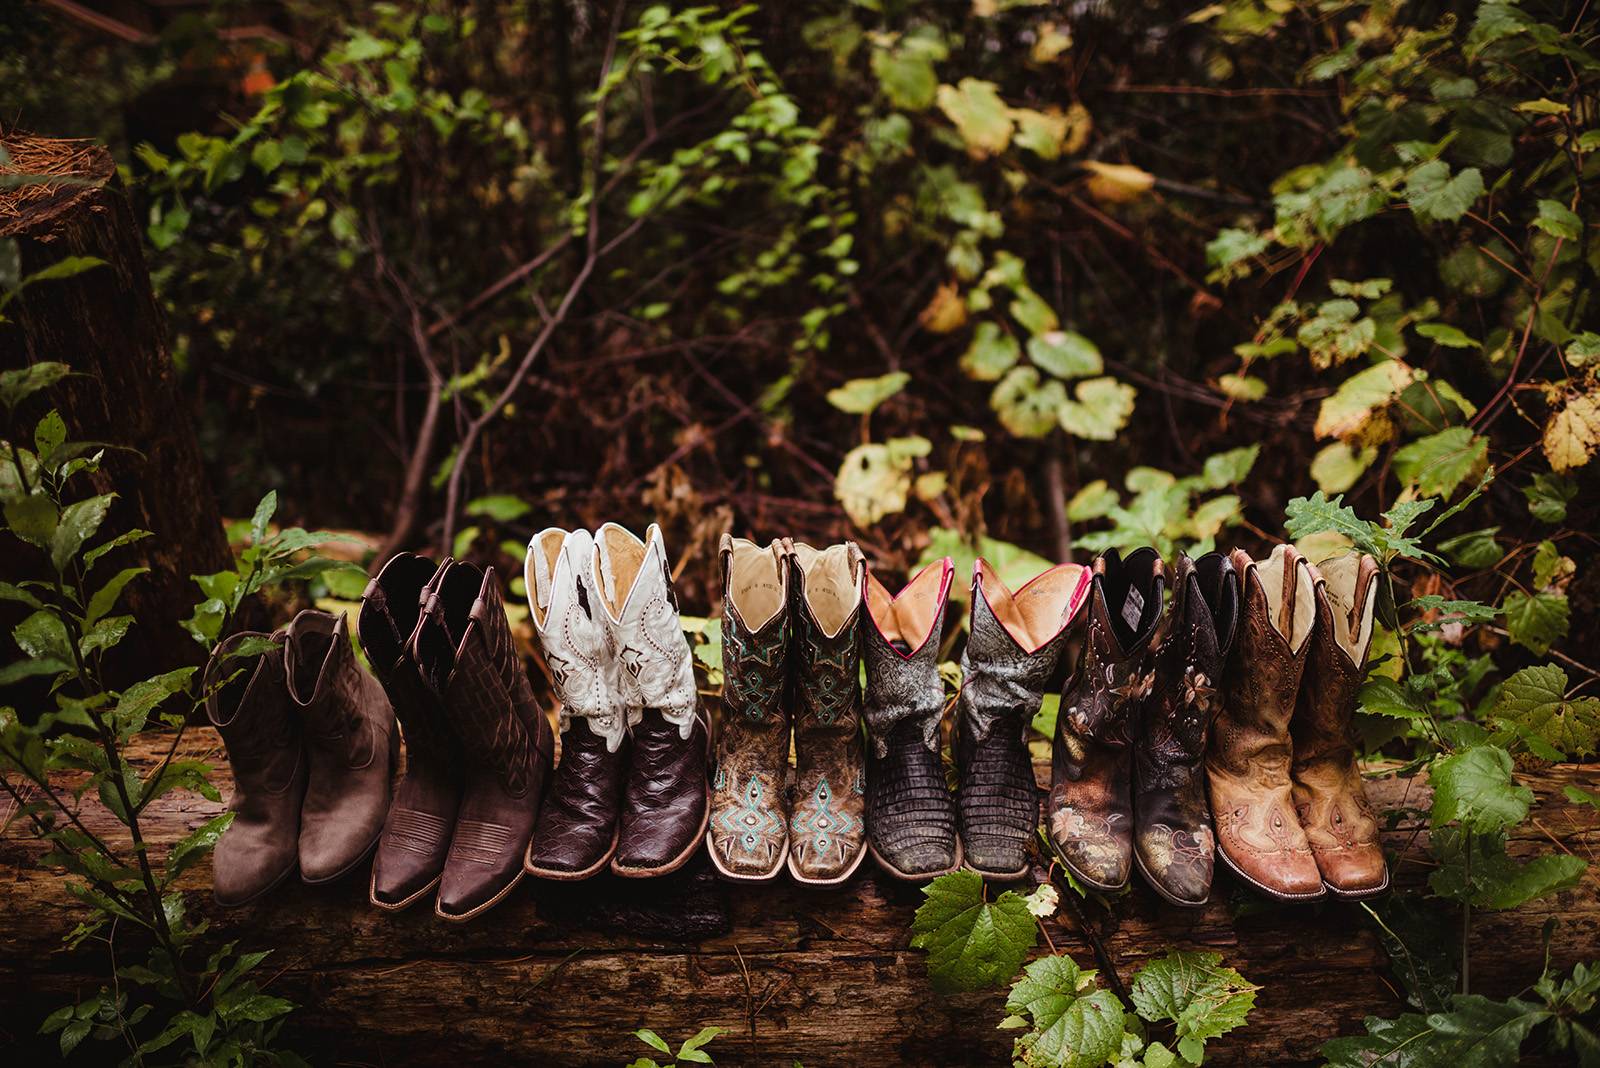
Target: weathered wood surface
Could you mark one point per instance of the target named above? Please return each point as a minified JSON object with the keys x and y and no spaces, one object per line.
{"x":562,"y":975}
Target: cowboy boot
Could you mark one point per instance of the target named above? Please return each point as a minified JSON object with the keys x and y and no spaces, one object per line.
{"x":1091,"y":797}
{"x":911,"y":817}
{"x":577,"y":830}
{"x":350,"y":736}
{"x":828,"y":824}
{"x":247,"y":702}
{"x":747,"y":836}
{"x":1015,"y":643}
{"x":1328,"y":792}
{"x":416,"y":834}
{"x":665,"y":800}
{"x":466,"y":654}
{"x":1172,"y":841}
{"x":1248,"y":756}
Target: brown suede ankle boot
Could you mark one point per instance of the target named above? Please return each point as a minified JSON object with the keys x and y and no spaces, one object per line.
{"x":1248,"y":757}
{"x":416,"y":835}
{"x":248,"y":702}
{"x":1329,"y":796}
{"x":1090,"y":810}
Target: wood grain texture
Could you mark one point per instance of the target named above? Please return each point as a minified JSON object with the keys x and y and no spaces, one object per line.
{"x":562,"y":975}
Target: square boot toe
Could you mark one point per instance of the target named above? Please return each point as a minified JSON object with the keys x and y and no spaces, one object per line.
{"x":918,"y":858}
{"x":1285,"y":874}
{"x":1354,"y":870}
{"x":248,"y":861}
{"x":569,"y":847}
{"x":999,"y":854}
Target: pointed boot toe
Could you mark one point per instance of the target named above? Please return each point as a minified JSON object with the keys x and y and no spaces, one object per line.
{"x":482,"y":869}
{"x":1092,"y":841}
{"x":1177,"y":863}
{"x":1354,"y":871}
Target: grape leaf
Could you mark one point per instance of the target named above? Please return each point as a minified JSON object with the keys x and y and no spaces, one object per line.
{"x":1074,"y":1025}
{"x":1474,"y":786}
{"x":991,"y":354}
{"x":1536,"y":620}
{"x":1197,"y":993}
{"x":1548,"y":495}
{"x":971,"y":943}
{"x":1477,"y":1032}
{"x":1535,"y":698}
{"x":1439,"y":463}
{"x":1489,"y":878}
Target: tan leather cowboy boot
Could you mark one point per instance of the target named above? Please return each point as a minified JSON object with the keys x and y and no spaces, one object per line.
{"x":828,"y":822}
{"x":1090,"y":810}
{"x":1328,"y":791}
{"x":1247,"y":761}
{"x":352,"y":742}
{"x":748,"y":833}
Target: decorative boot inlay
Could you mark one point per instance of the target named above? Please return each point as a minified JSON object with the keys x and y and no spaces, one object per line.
{"x":1248,"y":756}
{"x":1090,"y":810}
{"x":1329,"y":796}
{"x":1173,"y":841}
{"x":911,"y":818}
{"x":1015,"y":644}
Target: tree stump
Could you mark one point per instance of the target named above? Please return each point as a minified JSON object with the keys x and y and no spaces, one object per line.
{"x":562,"y":975}
{"x":105,"y":323}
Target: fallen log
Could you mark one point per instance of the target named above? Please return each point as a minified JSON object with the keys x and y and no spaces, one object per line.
{"x":562,"y":975}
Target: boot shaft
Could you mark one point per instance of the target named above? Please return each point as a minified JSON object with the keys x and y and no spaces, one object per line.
{"x":826,"y":590}
{"x":342,"y":709}
{"x":1336,"y":665}
{"x":248,"y":703}
{"x":640,"y":612}
{"x":901,"y":650}
{"x":1189,"y":655}
{"x":391,"y":615}
{"x":756,"y":606}
{"x":558,"y":572}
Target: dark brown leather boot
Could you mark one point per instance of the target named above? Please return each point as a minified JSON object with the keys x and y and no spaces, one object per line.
{"x":665,"y":799}
{"x":416,"y":834}
{"x":911,"y":817}
{"x":576,"y":836}
{"x":1173,"y":842}
{"x":350,"y":736}
{"x":748,"y":832}
{"x":1015,"y":643}
{"x":1329,"y":795}
{"x":1248,"y":757}
{"x":828,"y":821}
{"x":1091,"y":791}
{"x":247,"y":700}
{"x":466,"y":653}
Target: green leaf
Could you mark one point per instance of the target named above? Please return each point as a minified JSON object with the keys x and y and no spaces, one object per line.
{"x":105,"y":598}
{"x":1100,"y":407}
{"x":905,"y":73}
{"x":691,"y":1048}
{"x":1491,"y":879}
{"x":1535,"y":698}
{"x":1026,"y":404}
{"x":1422,"y":940}
{"x":1337,"y":466}
{"x":79,"y":521}
{"x":872,"y":482}
{"x":1548,"y":496}
{"x":1352,"y":405}
{"x":105,"y":634}
{"x":980,"y":116}
{"x":464,"y":539}
{"x":501,"y":507}
{"x":18,"y":385}
{"x":1476,"y":549}
{"x":1446,"y":335}
{"x":1065,"y":354}
{"x":1074,"y":1025}
{"x":1230,"y":468}
{"x":1475,"y":787}
{"x":1536,"y":621}
{"x":1579,"y":796}
{"x":991,"y":354}
{"x":135,"y":704}
{"x":1557,"y":220}
{"x":972,"y":943}
{"x":1435,"y":195}
{"x":1092,"y":501}
{"x":43,"y":636}
{"x":195,"y":845}
{"x":33,"y":518}
{"x":859,"y":396}
{"x":1439,"y":463}
{"x":653,"y":1040}
{"x":1197,"y":993}
{"x":1476,"y":1033}
{"x":263,"y":515}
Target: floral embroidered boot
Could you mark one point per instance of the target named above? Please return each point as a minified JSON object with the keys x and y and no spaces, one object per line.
{"x":664,"y":798}
{"x":1090,"y":811}
{"x":748,"y":833}
{"x":576,"y":835}
{"x":1248,"y":757}
{"x":1172,"y":841}
{"x":828,"y":823}
{"x":1329,"y":796}
{"x":911,"y":817}
{"x":1015,"y":644}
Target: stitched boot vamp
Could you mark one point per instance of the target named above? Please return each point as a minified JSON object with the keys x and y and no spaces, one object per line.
{"x":578,"y":820}
{"x":265,"y":751}
{"x":664,"y":800}
{"x":748,"y":833}
{"x":1340,"y":825}
{"x":911,"y":815}
{"x":416,"y":833}
{"x":828,"y":821}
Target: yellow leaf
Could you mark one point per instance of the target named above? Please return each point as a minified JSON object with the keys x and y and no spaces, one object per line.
{"x":1351,"y":406}
{"x":1573,"y":434}
{"x":1053,"y":39}
{"x":1081,"y":125}
{"x":945,"y":312}
{"x":1117,"y":183}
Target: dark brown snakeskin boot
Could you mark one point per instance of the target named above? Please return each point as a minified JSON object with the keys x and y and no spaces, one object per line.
{"x":351,"y":740}
{"x":416,"y":834}
{"x":1172,"y":841}
{"x":1329,"y":796}
{"x":1090,"y":811}
{"x":748,"y":833}
{"x":465,"y":651}
{"x":1015,"y":643}
{"x":1250,"y":751}
{"x":911,"y":817}
{"x":828,"y":819}
{"x":248,"y":702}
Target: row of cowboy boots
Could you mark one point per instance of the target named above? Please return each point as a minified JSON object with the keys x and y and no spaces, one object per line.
{"x":478,"y":748}
{"x":1179,"y":712}
{"x":313,"y":744}
{"x":791,"y":666}
{"x":630,"y":790}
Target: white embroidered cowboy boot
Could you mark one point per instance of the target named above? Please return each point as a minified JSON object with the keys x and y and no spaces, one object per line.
{"x":578,"y":823}
{"x":664,"y":804}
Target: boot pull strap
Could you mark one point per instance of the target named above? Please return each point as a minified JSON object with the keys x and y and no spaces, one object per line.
{"x":1291,"y":584}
